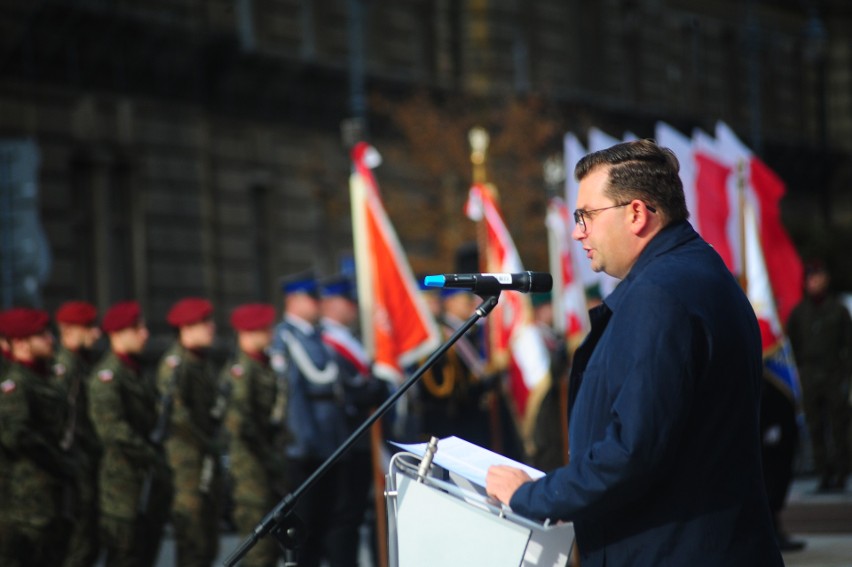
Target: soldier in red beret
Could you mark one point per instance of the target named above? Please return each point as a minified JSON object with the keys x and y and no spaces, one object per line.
{"x":134,"y":476}
{"x":33,"y":419}
{"x":193,"y":408}
{"x":78,"y":333}
{"x":256,"y":423}
{"x":5,"y":347}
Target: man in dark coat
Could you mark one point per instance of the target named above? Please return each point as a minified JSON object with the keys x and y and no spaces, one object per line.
{"x":665,"y":450}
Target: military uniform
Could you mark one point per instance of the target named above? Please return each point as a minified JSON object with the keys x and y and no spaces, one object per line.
{"x":361,"y":392}
{"x":194,"y":452}
{"x":38,"y":498}
{"x":256,"y":427}
{"x":821,"y":336}
{"x":318,"y":425}
{"x":71,"y":372}
{"x":135,"y":479}
{"x":451,"y":391}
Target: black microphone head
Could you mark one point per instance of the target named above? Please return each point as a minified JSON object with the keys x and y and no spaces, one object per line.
{"x":540,"y":282}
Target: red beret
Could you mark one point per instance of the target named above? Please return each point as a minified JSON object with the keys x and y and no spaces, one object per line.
{"x":252,"y":317}
{"x":121,"y":316}
{"x":188,"y":311}
{"x":76,"y":313}
{"x":21,"y":322}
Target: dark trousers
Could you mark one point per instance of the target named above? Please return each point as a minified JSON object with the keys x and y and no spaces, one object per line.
{"x":332,"y":510}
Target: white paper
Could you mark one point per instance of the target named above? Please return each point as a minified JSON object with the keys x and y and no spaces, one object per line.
{"x":466,"y":459}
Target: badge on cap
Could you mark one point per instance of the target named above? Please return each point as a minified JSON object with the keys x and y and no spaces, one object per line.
{"x":8,"y":386}
{"x":105,"y":375}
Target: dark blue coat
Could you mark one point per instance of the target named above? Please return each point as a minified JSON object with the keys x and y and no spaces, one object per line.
{"x":665,"y":455}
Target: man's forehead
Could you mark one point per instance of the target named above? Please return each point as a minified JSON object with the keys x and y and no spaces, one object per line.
{"x":592,"y":186}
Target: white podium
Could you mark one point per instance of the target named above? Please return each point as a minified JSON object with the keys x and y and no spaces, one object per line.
{"x":445,"y":520}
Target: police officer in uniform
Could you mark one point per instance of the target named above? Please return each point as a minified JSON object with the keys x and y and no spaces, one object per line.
{"x":78,"y":334}
{"x":33,"y":418}
{"x":361,"y":392}
{"x":315,"y":418}
{"x":257,"y":428}
{"x":135,"y":480}
{"x":193,"y":409}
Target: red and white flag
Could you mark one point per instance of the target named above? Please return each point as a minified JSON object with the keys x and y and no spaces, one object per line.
{"x":397,"y":328}
{"x":515,"y":340}
{"x":570,"y":316}
{"x":779,"y":365}
{"x":764,"y":190}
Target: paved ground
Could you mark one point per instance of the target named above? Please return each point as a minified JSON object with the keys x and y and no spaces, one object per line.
{"x":822,"y":521}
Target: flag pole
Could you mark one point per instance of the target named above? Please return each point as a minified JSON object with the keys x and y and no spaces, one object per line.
{"x":479,"y":140}
{"x":741,"y":197}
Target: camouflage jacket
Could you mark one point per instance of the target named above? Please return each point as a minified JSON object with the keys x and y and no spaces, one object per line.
{"x":124,"y":411}
{"x":256,"y":424}
{"x":33,"y":414}
{"x":72,"y":374}
{"x":193,"y":388}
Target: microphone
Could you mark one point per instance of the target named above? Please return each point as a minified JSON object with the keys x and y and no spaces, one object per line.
{"x":426,"y":461}
{"x":492,"y":283}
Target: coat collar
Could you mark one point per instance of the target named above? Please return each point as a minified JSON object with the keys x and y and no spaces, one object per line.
{"x":670,"y":237}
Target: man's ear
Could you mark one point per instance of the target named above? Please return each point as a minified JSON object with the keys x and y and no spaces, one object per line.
{"x":640,"y":221}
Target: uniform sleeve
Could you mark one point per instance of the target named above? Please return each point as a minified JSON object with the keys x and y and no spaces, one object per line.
{"x":660,"y":352}
{"x":110,"y":420}
{"x":191,"y":389}
{"x":20,"y":438}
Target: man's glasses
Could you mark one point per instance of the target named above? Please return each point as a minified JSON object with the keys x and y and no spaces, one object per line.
{"x":580,"y":215}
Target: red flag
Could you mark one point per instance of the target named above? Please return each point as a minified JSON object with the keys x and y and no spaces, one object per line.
{"x":397,"y":328}
{"x":717,"y":221}
{"x":515,"y":340}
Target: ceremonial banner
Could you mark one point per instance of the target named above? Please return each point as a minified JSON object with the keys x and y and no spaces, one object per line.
{"x":779,"y":364}
{"x":764,"y":190}
{"x":516,"y":343}
{"x":570,"y":316}
{"x":397,"y":328}
{"x":681,"y":145}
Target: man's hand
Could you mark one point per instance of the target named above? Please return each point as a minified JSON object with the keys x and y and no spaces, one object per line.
{"x":502,"y":481}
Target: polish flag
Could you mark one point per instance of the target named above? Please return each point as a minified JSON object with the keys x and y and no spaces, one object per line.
{"x":397,"y":328}
{"x":779,"y":365}
{"x":763,"y":191}
{"x":516,"y":342}
{"x":570,"y":317}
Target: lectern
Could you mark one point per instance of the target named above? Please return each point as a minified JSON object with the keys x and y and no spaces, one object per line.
{"x":442,"y":519}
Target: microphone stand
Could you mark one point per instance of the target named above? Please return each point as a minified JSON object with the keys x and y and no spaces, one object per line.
{"x":281,"y":522}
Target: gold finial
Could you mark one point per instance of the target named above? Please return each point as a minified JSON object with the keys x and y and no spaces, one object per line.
{"x":478,"y":138}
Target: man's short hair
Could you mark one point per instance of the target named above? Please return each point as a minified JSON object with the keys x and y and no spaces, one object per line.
{"x":642,"y":170}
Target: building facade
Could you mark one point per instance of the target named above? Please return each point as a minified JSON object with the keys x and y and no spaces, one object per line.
{"x":194,"y":147}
